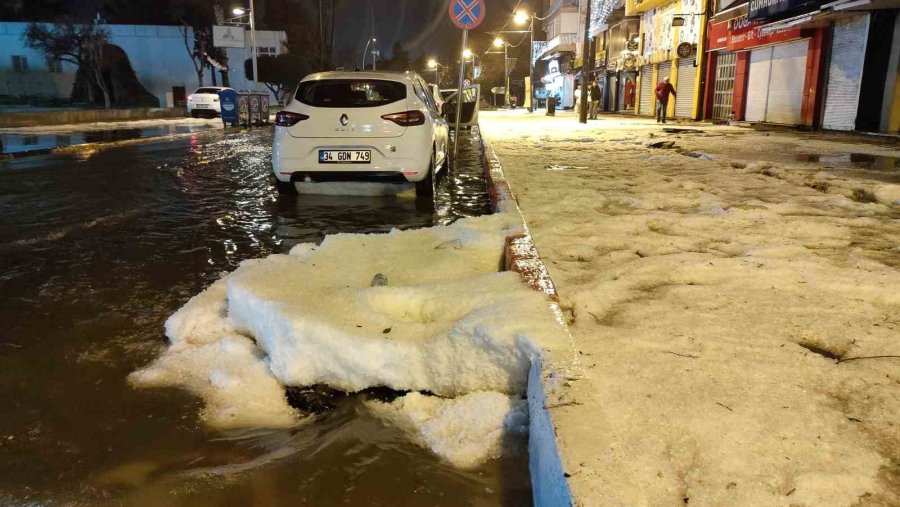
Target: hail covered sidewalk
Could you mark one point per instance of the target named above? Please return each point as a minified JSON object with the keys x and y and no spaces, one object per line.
{"x":734,"y":296}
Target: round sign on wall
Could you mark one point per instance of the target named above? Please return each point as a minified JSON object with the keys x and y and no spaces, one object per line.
{"x":467,"y":14}
{"x":685,"y":49}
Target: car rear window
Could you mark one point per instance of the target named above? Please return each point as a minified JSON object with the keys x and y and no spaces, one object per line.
{"x":350,"y":92}
{"x":207,"y":90}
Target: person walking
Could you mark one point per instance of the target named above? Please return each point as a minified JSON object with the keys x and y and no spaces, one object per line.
{"x":595,"y":99}
{"x":663,"y":89}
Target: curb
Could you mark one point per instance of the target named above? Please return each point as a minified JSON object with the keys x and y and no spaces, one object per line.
{"x":548,"y":481}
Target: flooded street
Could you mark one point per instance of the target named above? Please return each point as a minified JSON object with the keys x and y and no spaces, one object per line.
{"x":15,"y":142}
{"x":98,"y":246}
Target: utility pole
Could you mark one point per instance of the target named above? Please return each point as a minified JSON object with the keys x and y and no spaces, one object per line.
{"x":253,"y":49}
{"x":374,"y":51}
{"x":585,"y":93}
{"x":321,"y":38}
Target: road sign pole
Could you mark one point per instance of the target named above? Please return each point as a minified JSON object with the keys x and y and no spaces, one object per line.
{"x":459,"y":93}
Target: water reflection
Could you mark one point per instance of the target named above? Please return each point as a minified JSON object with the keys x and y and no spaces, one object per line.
{"x":18,"y":143}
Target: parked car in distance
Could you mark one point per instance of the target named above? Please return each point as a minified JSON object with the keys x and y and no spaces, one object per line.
{"x":205,"y":101}
{"x":379,"y":126}
{"x":471,"y":105}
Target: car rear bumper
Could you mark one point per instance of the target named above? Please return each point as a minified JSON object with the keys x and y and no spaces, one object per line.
{"x":330,"y":176}
{"x":403,"y":159}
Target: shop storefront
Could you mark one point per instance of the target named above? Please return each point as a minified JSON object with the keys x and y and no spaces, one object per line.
{"x":671,"y":33}
{"x":617,"y":64}
{"x":559,"y":85}
{"x":813,"y":63}
{"x":646,"y":90}
{"x":845,"y":71}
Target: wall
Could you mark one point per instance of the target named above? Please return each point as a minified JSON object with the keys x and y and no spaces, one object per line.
{"x":38,"y":80}
{"x":157,"y":54}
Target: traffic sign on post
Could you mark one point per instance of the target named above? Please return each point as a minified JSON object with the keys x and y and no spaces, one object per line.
{"x":467,"y":14}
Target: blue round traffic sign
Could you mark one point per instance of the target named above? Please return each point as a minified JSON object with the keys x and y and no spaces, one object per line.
{"x":467,"y":14}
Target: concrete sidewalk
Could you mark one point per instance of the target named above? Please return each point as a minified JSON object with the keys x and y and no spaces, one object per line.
{"x":734,"y":297}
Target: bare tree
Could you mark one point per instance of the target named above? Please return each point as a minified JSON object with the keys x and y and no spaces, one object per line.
{"x":196,"y":50}
{"x":78,"y":43}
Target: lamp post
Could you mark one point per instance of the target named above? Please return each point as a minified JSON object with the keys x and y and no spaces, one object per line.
{"x":520,"y":19}
{"x":240,"y":12}
{"x":499,"y":42}
{"x":436,"y":66}
{"x":366,"y":52}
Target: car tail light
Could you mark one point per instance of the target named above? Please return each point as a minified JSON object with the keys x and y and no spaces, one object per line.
{"x":288,"y":119}
{"x":215,"y":100}
{"x":406,"y":119}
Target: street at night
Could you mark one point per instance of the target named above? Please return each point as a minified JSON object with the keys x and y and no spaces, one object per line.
{"x":450,"y":253}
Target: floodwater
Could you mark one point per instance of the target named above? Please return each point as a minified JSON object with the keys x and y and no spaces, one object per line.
{"x":13,"y":143}
{"x":98,"y":246}
{"x":859,"y":160}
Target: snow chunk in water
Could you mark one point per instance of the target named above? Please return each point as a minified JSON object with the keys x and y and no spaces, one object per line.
{"x":465,"y":431}
{"x":448,"y":322}
{"x":232,"y":378}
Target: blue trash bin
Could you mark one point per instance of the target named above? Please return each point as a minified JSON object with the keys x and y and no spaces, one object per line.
{"x":228,"y":99}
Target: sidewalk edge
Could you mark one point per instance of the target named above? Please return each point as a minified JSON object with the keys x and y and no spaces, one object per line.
{"x":548,"y":479}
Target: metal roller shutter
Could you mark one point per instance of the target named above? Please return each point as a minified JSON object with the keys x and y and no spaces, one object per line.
{"x":758,"y":84}
{"x":684,"y":94}
{"x":665,"y":70}
{"x":647,"y":90}
{"x":786,"y":82}
{"x":848,"y":51}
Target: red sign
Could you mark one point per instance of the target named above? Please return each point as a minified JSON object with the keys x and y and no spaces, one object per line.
{"x":467,"y":14}
{"x":746,"y":34}
{"x":717,"y":36}
{"x":739,"y":34}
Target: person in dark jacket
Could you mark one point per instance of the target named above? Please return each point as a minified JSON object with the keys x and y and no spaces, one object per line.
{"x":595,"y":99}
{"x":663,"y":89}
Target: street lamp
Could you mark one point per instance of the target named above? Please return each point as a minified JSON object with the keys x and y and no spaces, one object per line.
{"x":372,"y":41}
{"x":435,"y":66}
{"x":241,"y":12}
{"x":467,"y":53}
{"x":498,"y":43}
{"x":521,"y":18}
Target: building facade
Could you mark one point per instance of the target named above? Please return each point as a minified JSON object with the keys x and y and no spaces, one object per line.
{"x":561,"y":24}
{"x":818,"y":64}
{"x":157,"y":54}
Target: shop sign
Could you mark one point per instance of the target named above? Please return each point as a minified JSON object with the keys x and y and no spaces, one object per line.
{"x":773,"y":10}
{"x":745,"y":34}
{"x":717,"y":36}
{"x":553,"y":67}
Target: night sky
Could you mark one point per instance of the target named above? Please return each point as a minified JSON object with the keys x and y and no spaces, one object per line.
{"x":422,"y":26}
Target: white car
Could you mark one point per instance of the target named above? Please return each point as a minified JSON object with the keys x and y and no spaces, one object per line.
{"x":205,"y":101}
{"x":360,"y":126}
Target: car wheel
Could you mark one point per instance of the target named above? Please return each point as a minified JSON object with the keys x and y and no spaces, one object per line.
{"x":286,"y":187}
{"x":195,"y":113}
{"x":426,"y":186}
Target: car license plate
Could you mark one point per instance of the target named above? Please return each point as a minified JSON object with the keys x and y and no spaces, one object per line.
{"x":201,"y":106}
{"x":345,"y":156}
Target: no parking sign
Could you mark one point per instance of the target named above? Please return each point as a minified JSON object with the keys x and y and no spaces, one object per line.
{"x":467,"y":14}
